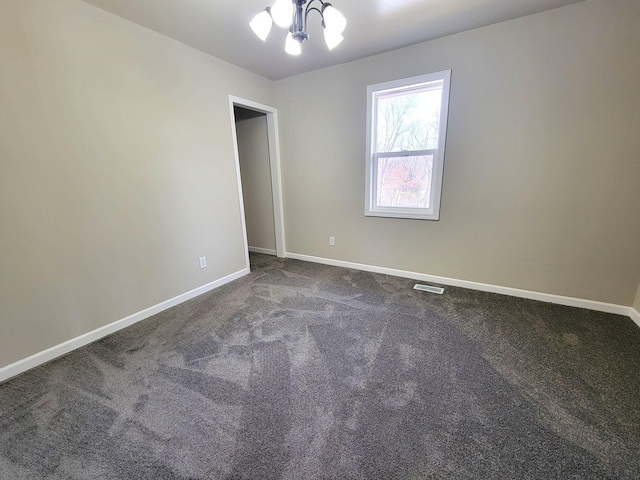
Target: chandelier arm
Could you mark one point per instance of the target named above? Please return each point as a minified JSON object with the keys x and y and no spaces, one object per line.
{"x":309,"y":8}
{"x":306,"y":14}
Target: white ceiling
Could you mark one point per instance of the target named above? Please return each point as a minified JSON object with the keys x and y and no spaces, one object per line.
{"x":221,"y":27}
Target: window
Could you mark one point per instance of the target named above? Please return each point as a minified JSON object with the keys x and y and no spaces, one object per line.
{"x":406,"y":128}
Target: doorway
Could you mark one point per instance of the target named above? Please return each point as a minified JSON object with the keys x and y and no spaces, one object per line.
{"x":256,"y":147}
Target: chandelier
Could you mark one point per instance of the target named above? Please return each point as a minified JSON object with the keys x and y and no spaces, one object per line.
{"x":293,"y":14}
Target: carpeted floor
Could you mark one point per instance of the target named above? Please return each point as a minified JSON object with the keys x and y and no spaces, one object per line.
{"x":305,"y":371}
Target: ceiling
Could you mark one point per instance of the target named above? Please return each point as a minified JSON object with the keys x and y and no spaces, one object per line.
{"x":221,"y":27}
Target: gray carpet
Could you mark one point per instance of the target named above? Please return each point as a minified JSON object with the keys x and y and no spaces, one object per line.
{"x":304,"y":371}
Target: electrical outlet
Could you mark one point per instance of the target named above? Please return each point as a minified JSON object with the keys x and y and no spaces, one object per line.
{"x":332,"y":241}
{"x":203,"y":262}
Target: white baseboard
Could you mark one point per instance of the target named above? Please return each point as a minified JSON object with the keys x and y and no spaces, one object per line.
{"x":58,"y":350}
{"x":266,"y":251}
{"x":635,"y":315}
{"x":484,"y":287}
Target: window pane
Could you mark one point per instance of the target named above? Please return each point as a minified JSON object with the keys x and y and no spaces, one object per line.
{"x":408,"y":119}
{"x":404,"y":181}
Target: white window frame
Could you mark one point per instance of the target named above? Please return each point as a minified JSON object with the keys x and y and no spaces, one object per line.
{"x":371,"y":208}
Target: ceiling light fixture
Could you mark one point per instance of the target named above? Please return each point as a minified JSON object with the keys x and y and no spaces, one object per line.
{"x":293,"y":14}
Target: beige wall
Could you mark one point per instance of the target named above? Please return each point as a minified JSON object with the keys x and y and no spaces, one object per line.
{"x":541,"y":182}
{"x":253,"y":150}
{"x":116,"y":170}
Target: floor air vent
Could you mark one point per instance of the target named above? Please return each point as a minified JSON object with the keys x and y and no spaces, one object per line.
{"x":429,"y":288}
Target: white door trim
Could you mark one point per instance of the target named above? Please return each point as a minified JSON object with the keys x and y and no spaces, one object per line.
{"x":274,"y":163}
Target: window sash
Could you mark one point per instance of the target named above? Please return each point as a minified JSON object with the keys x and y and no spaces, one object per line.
{"x":407,"y":153}
{"x":400,"y":212}
{"x":404,"y":90}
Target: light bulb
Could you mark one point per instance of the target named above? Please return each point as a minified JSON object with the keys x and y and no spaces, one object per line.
{"x":282,"y":12}
{"x":333,"y":19}
{"x":292,"y":46}
{"x":261,"y":24}
{"x":332,"y":38}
